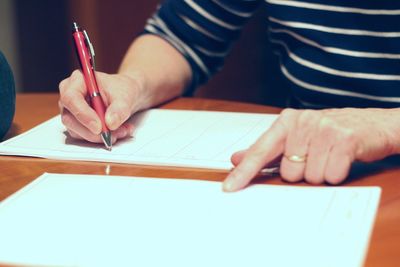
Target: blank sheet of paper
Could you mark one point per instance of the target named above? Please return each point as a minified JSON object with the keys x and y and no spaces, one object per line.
{"x":83,"y":220}
{"x":201,"y":139}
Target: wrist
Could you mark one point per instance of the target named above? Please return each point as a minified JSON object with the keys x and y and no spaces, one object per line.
{"x":138,"y":84}
{"x":393,"y":133}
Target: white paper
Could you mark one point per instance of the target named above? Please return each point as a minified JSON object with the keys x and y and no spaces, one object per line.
{"x":201,"y":139}
{"x":83,"y":220}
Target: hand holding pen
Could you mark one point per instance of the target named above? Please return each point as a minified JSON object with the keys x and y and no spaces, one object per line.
{"x":111,"y":100}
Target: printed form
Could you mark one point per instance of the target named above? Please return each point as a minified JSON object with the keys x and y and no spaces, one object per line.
{"x":92,"y":220}
{"x":201,"y":139}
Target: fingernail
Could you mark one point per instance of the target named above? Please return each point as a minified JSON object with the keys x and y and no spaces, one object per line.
{"x":131,"y":131}
{"x":228,"y":185}
{"x":94,"y":126}
{"x":113,"y":120}
{"x":113,"y":139}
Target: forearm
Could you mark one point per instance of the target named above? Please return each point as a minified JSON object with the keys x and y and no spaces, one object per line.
{"x":161,"y":71}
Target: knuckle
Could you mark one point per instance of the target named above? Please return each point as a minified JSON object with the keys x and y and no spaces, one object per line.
{"x":80,"y":117}
{"x":349,"y":145}
{"x":348,"y":136}
{"x":308,"y":117}
{"x":76,"y":74}
{"x":346,"y":142}
{"x":125,"y":110}
{"x":327,"y":124}
{"x":256,"y":154}
{"x":60,"y":106}
{"x":328,"y":128}
{"x":70,"y":104}
{"x":239,"y":171}
{"x":62,"y":85}
{"x":66,"y":99}
{"x":288,"y":112}
{"x":285,"y":119}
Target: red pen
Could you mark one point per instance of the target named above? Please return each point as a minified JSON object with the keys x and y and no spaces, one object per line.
{"x":85,"y":52}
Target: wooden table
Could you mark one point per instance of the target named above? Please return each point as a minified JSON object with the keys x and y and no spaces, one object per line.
{"x":32,"y":109}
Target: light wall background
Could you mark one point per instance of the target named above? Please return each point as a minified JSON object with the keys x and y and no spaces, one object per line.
{"x":8,"y":38}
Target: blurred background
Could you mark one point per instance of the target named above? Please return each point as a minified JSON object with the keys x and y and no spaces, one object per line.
{"x":35,"y":37}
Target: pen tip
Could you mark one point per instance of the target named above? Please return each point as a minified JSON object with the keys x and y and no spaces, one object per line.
{"x":106,"y":136}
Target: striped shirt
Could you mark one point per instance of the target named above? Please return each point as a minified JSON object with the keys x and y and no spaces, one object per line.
{"x":334,"y":53}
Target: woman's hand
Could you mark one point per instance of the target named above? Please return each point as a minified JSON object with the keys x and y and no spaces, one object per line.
{"x":120,"y":94}
{"x":319,"y":145}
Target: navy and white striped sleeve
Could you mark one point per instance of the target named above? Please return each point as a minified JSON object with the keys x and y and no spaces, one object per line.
{"x":202,"y":31}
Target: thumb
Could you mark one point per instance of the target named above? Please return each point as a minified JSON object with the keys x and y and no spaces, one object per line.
{"x":117,"y":113}
{"x":237,"y":157}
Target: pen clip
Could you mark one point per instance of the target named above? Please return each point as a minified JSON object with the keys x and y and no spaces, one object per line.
{"x":91,"y":49}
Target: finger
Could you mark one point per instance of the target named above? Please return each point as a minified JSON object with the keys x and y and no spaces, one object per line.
{"x":125,"y":131}
{"x":72,"y":97}
{"x":62,"y":84}
{"x":318,"y":152}
{"x":338,"y":167}
{"x":117,"y":113}
{"x":297,"y":143}
{"x":73,"y":125}
{"x":340,"y":159}
{"x":60,"y":107}
{"x":237,"y":157}
{"x":265,"y":149}
{"x":119,"y":105}
{"x":103,"y":82}
{"x":74,"y":135}
{"x":78,"y":137}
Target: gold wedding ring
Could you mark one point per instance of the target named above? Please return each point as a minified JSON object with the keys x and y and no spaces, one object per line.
{"x":296,"y":158}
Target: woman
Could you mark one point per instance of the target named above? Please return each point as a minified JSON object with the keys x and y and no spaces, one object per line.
{"x":7,"y":96}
